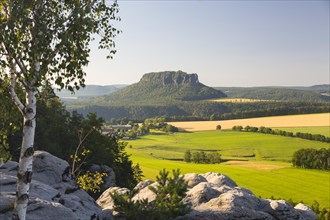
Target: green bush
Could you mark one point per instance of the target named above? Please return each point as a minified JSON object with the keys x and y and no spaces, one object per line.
{"x":202,"y":157}
{"x":312,"y":159}
{"x":167,"y":205}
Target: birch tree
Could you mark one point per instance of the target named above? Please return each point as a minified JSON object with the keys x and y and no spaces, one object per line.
{"x":47,"y":41}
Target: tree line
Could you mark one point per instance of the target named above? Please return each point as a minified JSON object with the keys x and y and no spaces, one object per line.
{"x":202,"y":157}
{"x":265,"y":130}
{"x":312,"y":159}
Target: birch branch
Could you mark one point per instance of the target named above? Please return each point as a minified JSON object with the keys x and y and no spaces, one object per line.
{"x":12,"y":90}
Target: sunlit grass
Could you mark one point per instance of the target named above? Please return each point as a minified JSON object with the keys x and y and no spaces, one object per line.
{"x":265,"y":166}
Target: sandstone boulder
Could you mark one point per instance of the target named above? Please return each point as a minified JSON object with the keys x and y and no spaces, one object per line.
{"x":220,"y":179}
{"x":214,"y":196}
{"x":105,"y":201}
{"x":53,"y":192}
{"x":52,"y":171}
{"x":146,"y":193}
{"x":305,"y":211}
{"x":281,"y":209}
{"x":201,"y":193}
{"x":192,"y":179}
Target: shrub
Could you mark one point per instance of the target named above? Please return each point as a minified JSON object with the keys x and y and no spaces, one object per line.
{"x":237,"y":128}
{"x":202,"y":157}
{"x":187,"y":156}
{"x":167,"y":205}
{"x":91,"y":182}
{"x":312,"y":159}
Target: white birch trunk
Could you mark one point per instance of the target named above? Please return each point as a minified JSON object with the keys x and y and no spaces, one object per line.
{"x":24,"y":174}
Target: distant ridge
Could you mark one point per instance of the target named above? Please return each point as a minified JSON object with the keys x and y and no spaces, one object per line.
{"x":312,"y":93}
{"x":89,"y":91}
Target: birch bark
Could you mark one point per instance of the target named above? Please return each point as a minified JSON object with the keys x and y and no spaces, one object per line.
{"x":24,"y":174}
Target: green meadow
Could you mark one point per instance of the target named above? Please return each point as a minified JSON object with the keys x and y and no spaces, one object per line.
{"x":260,"y":162}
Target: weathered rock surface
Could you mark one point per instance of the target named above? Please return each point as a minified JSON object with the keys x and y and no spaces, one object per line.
{"x":220,"y":179}
{"x":192,"y":179}
{"x":305,"y":211}
{"x":146,"y":193}
{"x":213,"y":196}
{"x":105,"y":201}
{"x":53,"y":192}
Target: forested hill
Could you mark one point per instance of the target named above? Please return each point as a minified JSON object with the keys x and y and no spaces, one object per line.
{"x":322,"y":89}
{"x":161,"y":87}
{"x":275,"y":93}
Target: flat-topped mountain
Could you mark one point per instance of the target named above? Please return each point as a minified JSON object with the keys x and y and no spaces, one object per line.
{"x":163,"y":86}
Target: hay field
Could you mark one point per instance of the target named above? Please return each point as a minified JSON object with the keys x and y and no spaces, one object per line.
{"x":306,"y":120}
{"x":235,"y":100}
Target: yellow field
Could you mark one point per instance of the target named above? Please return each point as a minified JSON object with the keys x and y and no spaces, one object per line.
{"x":308,"y":120}
{"x":237,"y":100}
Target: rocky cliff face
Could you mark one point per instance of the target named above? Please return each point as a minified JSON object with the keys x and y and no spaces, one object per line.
{"x":167,"y":86}
{"x":178,"y":78}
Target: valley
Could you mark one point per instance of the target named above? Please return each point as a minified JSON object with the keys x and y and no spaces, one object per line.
{"x":259,"y":162}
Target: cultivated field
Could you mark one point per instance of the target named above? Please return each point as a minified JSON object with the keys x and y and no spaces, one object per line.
{"x":307,"y":120}
{"x":259,"y":162}
{"x":235,"y":100}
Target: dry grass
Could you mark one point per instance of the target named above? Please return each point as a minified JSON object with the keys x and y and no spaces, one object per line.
{"x":307,"y":120}
{"x":255,"y":165}
{"x":235,"y":100}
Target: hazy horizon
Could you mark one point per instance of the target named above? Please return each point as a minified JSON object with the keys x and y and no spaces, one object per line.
{"x":227,"y":43}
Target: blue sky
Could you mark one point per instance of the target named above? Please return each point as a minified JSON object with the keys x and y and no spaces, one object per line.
{"x":227,"y":43}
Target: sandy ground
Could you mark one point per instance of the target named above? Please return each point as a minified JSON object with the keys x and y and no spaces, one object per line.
{"x":308,"y":120}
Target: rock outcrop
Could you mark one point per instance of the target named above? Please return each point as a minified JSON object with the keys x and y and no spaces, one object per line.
{"x":53,"y":193}
{"x":171,"y":78}
{"x":213,"y":196}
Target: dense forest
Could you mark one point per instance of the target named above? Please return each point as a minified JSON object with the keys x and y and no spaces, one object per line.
{"x":278,"y":93}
